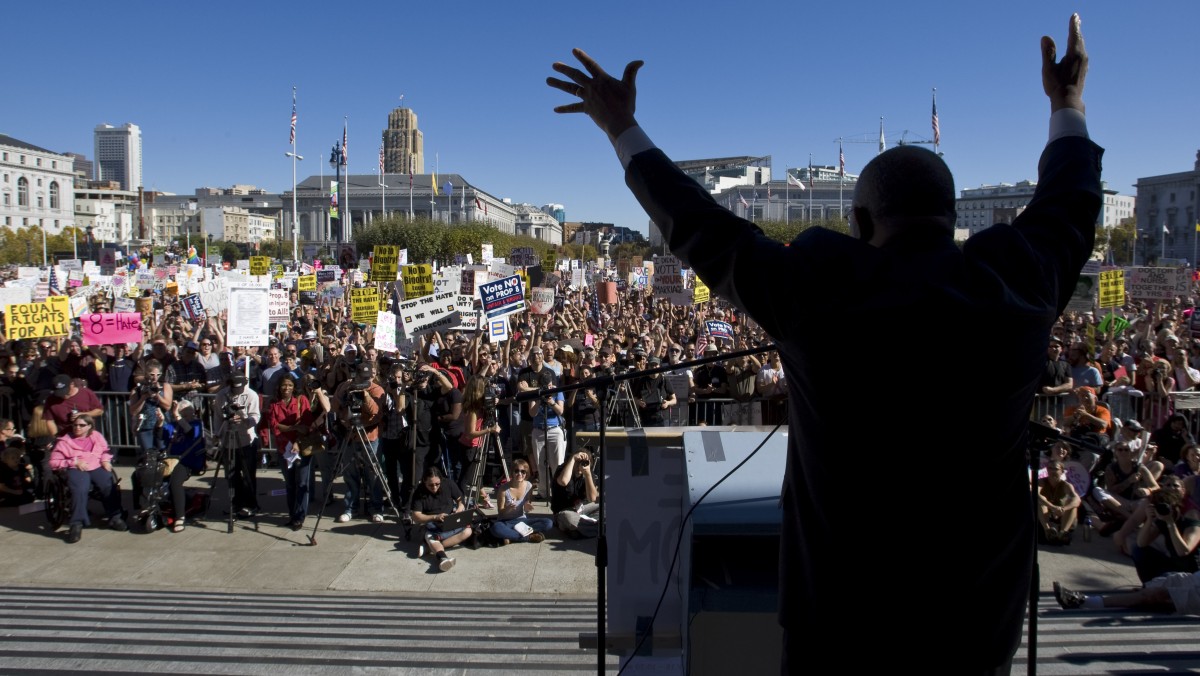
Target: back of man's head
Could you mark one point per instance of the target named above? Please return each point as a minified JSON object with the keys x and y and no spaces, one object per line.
{"x":904,"y":187}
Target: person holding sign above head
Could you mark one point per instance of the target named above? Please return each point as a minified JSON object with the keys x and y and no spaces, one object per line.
{"x":899,"y":260}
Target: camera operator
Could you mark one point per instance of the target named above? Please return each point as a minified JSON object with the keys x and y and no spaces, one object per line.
{"x":547,"y":443}
{"x":1178,"y":522}
{"x":394,"y":454}
{"x":652,"y":393}
{"x":360,"y":402}
{"x":528,"y":378}
{"x":238,"y":414}
{"x":574,"y":497}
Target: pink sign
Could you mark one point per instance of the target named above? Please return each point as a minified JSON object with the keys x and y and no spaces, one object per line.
{"x":104,"y":328}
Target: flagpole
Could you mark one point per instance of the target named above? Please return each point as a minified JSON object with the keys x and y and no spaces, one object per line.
{"x":841,"y":180}
{"x":295,"y":213}
{"x":410,"y":188}
{"x":1163,"y":249}
{"x":348,"y":230}
{"x":812,"y":187}
{"x":787,"y":193}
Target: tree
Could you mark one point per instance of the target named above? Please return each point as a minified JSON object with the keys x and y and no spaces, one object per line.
{"x":1119,"y":243}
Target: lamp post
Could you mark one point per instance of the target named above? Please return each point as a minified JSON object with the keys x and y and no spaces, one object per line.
{"x":90,"y":243}
{"x":335,"y":160}
{"x":295,"y":223}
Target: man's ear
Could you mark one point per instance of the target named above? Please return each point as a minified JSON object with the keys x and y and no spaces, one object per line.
{"x":861,"y":225}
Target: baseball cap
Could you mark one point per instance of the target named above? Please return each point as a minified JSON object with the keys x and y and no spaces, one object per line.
{"x":309,"y":335}
{"x":61,"y":383}
{"x":191,"y":345}
{"x":549,"y":336}
{"x":238,"y":379}
{"x":711,"y":347}
{"x":350,"y":347}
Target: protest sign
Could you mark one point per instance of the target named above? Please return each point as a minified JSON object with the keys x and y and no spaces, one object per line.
{"x":214,"y":294}
{"x":418,"y":280}
{"x":279,"y":305}
{"x":192,"y":307}
{"x":471,"y":278}
{"x":78,"y":305}
{"x":449,"y":278}
{"x":497,"y":330}
{"x":327,"y":275}
{"x":1112,"y":288}
{"x":502,"y":297}
{"x":700,"y":292}
{"x":541,"y":301}
{"x":124,"y":304}
{"x":1157,"y":283}
{"x":485,"y":253}
{"x":348,"y":256}
{"x":145,"y":306}
{"x":606,"y":292}
{"x":385,"y":332}
{"x":306,"y":283}
{"x":718,"y":329}
{"x":260,"y":265}
{"x":38,"y":320}
{"x":1083,"y":298}
{"x":404,"y":257}
{"x":468,"y":315}
{"x":15,"y":295}
{"x":111,"y":328}
{"x":108,"y":261}
{"x":364,"y":305}
{"x":249,"y":318}
{"x":428,"y":313}
{"x":384,"y":262}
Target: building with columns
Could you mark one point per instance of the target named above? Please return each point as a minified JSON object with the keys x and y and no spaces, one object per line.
{"x":980,"y":208}
{"x":533,"y":222}
{"x":36,"y":186}
{"x":1168,"y":207}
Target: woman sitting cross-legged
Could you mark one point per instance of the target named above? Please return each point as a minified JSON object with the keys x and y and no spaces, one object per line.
{"x":84,"y":457}
{"x":513,"y":524}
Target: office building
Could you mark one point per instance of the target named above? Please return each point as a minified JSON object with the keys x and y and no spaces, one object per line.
{"x":119,"y":155}
{"x":1167,"y":212}
{"x":36,"y":186}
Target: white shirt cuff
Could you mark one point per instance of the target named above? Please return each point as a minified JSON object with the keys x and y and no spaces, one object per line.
{"x":1067,"y":122}
{"x":631,"y":142}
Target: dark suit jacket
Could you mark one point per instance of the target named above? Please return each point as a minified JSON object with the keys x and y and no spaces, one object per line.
{"x":910,"y":501}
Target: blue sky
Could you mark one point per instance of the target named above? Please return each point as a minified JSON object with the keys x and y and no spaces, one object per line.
{"x":210,"y":85}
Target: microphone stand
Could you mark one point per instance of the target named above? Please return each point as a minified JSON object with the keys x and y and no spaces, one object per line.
{"x":602,"y":384}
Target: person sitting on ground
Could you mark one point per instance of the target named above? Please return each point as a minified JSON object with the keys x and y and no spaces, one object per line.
{"x":84,"y":457}
{"x":513,"y":523}
{"x":1058,"y":504}
{"x":432,"y":501}
{"x":1167,"y":593}
{"x":1178,"y":523}
{"x":574,"y":495}
{"x":1189,"y":465}
{"x":16,"y":476}
{"x":1125,"y":482}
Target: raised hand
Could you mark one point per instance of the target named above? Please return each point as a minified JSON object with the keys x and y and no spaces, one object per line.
{"x":608,"y":101}
{"x":1063,"y":80}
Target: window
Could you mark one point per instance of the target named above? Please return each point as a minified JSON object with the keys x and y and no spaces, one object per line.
{"x":53,"y":164}
{"x":38,"y":161}
{"x":22,"y":192}
{"x":39,"y":183}
{"x":8,"y":199}
{"x":22,"y":159}
{"x":54,"y":201}
{"x":41,"y":204}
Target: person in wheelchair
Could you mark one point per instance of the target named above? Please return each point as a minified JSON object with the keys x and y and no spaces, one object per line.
{"x":184,"y":457}
{"x":84,"y":458}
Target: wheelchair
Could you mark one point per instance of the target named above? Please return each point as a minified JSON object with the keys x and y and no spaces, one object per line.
{"x":153,"y":477}
{"x":58,"y":499}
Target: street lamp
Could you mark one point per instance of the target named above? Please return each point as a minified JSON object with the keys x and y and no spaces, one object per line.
{"x":295,"y":222}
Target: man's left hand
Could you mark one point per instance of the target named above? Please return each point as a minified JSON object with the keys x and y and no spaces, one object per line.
{"x":608,"y":101}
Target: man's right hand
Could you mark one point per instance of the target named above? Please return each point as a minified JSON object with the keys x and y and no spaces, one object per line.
{"x":1063,"y":81}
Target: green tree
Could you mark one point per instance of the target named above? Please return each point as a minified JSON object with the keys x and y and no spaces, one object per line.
{"x":1119,"y":242}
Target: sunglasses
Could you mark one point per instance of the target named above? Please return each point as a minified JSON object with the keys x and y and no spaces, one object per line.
{"x":520,"y":471}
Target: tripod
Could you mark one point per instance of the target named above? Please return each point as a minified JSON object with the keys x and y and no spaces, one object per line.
{"x":489,"y":447}
{"x":355,"y":447}
{"x":623,"y":403}
{"x":227,"y":446}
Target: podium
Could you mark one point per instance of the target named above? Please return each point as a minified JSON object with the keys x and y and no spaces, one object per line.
{"x":718,"y":613}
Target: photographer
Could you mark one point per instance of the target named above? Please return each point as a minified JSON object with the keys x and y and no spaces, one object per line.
{"x":393,"y":455}
{"x":574,"y":497}
{"x":652,"y":393}
{"x":479,"y":420}
{"x":1178,"y":524}
{"x":546,"y":440}
{"x":149,"y":403}
{"x":238,"y":414}
{"x":360,"y":403}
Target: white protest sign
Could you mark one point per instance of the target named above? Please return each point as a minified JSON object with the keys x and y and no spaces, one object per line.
{"x":485,"y":253}
{"x":249,"y":317}
{"x":448,"y":278}
{"x":124,"y":304}
{"x":497,"y":330}
{"x":1157,"y":283}
{"x":279,"y":306}
{"x":78,"y":304}
{"x":385,"y":332}
{"x":214,"y":294}
{"x":15,"y":295}
{"x":541,"y":300}
{"x":429,"y":313}
{"x":668,"y":281}
{"x":468,"y":315}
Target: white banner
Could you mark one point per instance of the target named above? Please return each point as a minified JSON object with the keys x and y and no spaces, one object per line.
{"x":249,"y":316}
{"x":541,"y":300}
{"x":385,"y":332}
{"x":15,"y":295}
{"x":278,"y":305}
{"x":429,"y":313}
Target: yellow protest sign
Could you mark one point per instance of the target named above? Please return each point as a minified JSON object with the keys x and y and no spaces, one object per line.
{"x":306,"y":283}
{"x":418,"y":280}
{"x":384,"y":261}
{"x":260,"y":265}
{"x":38,"y":320}
{"x":549,"y":258}
{"x":700,"y":293}
{"x":1112,"y":288}
{"x":364,"y":305}
{"x":525,"y":280}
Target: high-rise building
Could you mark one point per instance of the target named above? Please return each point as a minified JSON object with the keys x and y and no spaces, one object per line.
{"x":403,"y":144}
{"x":119,"y":155}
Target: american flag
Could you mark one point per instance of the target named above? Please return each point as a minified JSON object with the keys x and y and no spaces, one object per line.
{"x":742,"y":199}
{"x":345,"y":152}
{"x":937,"y":129}
{"x":54,"y":291}
{"x":292,"y":137}
{"x":381,"y":159}
{"x":842,"y":159}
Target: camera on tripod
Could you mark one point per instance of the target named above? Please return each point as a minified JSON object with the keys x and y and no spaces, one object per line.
{"x":354,"y":404}
{"x":230,"y":409}
{"x":490,"y":399}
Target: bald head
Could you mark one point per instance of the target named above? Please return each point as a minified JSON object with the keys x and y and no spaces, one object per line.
{"x":900,"y":189}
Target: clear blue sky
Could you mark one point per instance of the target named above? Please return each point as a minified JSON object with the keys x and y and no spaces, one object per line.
{"x":210,"y":85}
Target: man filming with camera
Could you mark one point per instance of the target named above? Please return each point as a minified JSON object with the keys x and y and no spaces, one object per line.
{"x":359,"y":404}
{"x":546,"y":441}
{"x":653,"y":394}
{"x":237,"y":416}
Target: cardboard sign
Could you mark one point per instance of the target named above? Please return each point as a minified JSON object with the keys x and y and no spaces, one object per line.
{"x":497,"y":330}
{"x":145,"y":306}
{"x":541,"y":301}
{"x":668,"y":281}
{"x":468,"y":315}
{"x":1112,"y":288}
{"x":428,"y":313}
{"x":364,"y":305}
{"x":260,"y":265}
{"x":215,"y":294}
{"x":385,"y":332}
{"x":38,"y":320}
{"x":249,"y":316}
{"x":348,"y":256}
{"x":279,"y":305}
{"x":523,"y":256}
{"x":418,"y":280}
{"x":123,"y":304}
{"x":111,"y":329}
{"x":606,"y":292}
{"x":502,"y":297}
{"x":306,"y":283}
{"x":1158,"y":283}
{"x":449,"y":278}
{"x":15,"y":295}
{"x":485,"y":253}
{"x":384,"y":263}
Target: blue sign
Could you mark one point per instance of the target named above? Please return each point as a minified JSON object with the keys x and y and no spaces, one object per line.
{"x":502,"y":297}
{"x":720,"y":329}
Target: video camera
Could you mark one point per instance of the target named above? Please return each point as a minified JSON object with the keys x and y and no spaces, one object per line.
{"x":354,"y":404}
{"x":490,"y":399}
{"x":230,"y":409}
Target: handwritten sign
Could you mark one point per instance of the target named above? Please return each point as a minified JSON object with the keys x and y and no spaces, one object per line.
{"x":279,"y":306}
{"x":428,"y":313}
{"x":668,"y":281}
{"x":111,"y":328}
{"x":385,"y":332}
{"x":38,"y":320}
{"x":306,"y":283}
{"x":1158,"y":283}
{"x":700,"y":292}
{"x":502,"y":297}
{"x":384,"y":261}
{"x":364,"y":305}
{"x":418,"y":280}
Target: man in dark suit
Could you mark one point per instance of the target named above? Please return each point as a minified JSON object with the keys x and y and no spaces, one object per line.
{"x":961,"y":563}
